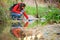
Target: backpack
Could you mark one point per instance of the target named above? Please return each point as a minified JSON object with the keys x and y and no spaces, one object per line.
{"x":12,"y":7}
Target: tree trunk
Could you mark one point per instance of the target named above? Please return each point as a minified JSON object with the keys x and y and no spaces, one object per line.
{"x":36,"y":8}
{"x":22,"y":0}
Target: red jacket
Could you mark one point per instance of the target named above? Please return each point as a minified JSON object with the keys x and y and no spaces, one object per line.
{"x":17,"y":10}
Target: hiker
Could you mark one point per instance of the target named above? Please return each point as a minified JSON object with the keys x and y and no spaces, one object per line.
{"x":17,"y":11}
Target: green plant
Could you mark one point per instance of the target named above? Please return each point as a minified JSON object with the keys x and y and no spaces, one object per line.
{"x":53,"y":15}
{"x":30,"y":10}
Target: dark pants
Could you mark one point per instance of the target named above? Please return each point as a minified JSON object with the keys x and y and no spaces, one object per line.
{"x":15,"y":16}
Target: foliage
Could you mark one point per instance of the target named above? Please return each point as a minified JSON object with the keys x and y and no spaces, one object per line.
{"x":50,"y":14}
{"x":2,"y":26}
{"x":2,"y":14}
{"x":53,"y":15}
{"x":30,"y":10}
{"x":4,"y":9}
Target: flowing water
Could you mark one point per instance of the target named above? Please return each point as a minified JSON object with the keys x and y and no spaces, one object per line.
{"x":49,"y":32}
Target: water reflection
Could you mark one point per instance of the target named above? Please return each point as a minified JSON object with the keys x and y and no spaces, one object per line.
{"x":16,"y":24}
{"x":17,"y":30}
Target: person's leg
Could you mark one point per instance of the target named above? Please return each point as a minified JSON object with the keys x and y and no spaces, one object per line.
{"x":19,"y":16}
{"x":13,"y":15}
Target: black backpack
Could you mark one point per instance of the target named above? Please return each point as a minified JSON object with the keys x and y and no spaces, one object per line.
{"x":12,"y":7}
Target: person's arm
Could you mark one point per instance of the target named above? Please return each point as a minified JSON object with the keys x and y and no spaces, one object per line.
{"x":15,"y":9}
{"x":25,"y":15}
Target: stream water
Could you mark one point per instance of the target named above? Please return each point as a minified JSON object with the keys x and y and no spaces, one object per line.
{"x":50,"y":32}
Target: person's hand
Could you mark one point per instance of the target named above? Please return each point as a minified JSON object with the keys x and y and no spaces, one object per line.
{"x":20,"y":12}
{"x":29,"y":20}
